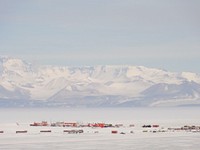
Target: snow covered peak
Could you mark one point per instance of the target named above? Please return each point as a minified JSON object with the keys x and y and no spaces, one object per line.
{"x":14,"y":64}
{"x":119,"y":73}
{"x":19,"y":79}
{"x":189,"y":76}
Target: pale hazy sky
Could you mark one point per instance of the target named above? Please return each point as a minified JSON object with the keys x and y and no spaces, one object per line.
{"x":153,"y":33}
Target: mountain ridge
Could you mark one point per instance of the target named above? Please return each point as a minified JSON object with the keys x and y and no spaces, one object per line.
{"x":95,"y":86}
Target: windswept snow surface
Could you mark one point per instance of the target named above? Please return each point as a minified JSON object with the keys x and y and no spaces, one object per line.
{"x":101,"y":142}
{"x":19,"y":119}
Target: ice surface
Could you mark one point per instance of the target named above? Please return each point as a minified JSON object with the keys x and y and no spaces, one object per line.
{"x":101,"y":142}
{"x":19,"y":119}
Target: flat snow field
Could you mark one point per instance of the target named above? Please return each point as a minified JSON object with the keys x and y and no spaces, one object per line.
{"x":13,"y":120}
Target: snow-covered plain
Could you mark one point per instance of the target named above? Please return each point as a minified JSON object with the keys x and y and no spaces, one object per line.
{"x":19,"y":119}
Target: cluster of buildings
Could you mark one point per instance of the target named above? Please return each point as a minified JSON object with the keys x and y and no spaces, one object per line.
{"x":76,"y":124}
{"x":186,"y":128}
{"x":75,"y":127}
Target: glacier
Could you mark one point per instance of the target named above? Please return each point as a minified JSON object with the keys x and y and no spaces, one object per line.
{"x":26,"y":85}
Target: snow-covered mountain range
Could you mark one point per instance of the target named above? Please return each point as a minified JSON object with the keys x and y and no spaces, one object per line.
{"x":22,"y":84}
